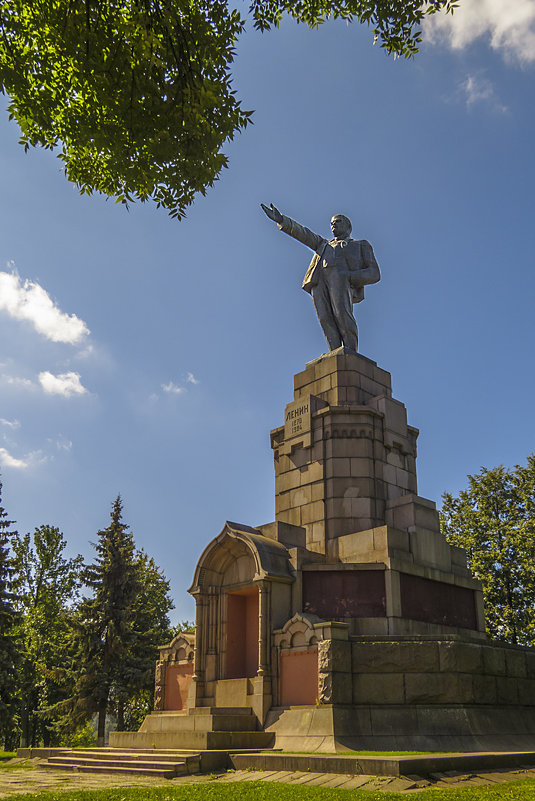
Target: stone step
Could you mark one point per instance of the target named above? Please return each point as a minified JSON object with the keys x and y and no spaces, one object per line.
{"x":133,"y":756}
{"x":108,"y":749}
{"x":201,"y":740}
{"x":221,"y":710}
{"x":116,"y":762}
{"x":165,"y":764}
{"x":413,"y":766}
{"x":160,"y":773}
{"x":219,"y":722}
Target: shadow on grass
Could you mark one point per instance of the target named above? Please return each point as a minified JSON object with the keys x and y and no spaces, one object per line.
{"x":212,"y":790}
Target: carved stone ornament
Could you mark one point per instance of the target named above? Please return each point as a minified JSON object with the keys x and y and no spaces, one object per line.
{"x":159,"y":675}
{"x":325,"y":688}
{"x":158,"y":698}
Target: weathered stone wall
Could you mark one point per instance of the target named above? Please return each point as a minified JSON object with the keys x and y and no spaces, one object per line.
{"x":441,"y":672}
{"x":334,"y":672}
{"x":415,"y":672}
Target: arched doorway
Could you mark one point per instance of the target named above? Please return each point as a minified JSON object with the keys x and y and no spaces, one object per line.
{"x":242,"y":634}
{"x":233,"y":589}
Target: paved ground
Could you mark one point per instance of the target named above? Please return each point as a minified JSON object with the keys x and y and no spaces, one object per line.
{"x":400,"y":785}
{"x":31,"y":778}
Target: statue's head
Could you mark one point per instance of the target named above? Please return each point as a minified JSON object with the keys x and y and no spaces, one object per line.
{"x":341,"y":226}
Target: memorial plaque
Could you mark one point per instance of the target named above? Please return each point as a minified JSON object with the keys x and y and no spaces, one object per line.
{"x":297,"y":417}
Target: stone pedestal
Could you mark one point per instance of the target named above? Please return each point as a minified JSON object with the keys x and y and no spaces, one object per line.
{"x":345,"y":450}
{"x":345,"y":472}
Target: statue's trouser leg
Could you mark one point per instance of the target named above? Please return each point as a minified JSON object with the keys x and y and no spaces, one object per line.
{"x":324,"y":310}
{"x":341,"y":298}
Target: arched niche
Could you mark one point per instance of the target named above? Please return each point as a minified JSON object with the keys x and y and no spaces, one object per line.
{"x":298,"y":632}
{"x":180,"y":649}
{"x":297,"y":648}
{"x":174,"y":672}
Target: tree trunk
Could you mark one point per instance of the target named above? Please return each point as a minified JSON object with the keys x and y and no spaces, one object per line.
{"x":25,"y":727}
{"x":120,"y":715}
{"x":101,"y":732}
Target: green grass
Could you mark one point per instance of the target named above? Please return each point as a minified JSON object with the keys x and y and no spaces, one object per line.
{"x":353,"y":753}
{"x":7,"y":755}
{"x":6,"y":766}
{"x":522,"y":790}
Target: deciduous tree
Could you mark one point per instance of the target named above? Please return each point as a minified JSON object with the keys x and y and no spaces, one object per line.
{"x":47,"y":584}
{"x":494,"y":521}
{"x":137,"y":95}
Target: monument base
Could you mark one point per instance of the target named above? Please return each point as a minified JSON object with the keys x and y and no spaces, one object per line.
{"x":415,"y":693}
{"x":204,"y":728}
{"x":446,"y":728}
{"x":349,"y":622}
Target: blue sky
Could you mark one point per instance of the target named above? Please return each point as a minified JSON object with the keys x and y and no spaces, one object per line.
{"x":149,"y":357}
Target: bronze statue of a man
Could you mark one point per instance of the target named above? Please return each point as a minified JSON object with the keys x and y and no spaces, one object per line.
{"x":336,"y":276}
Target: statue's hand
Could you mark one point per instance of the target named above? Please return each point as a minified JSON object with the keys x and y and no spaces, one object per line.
{"x":272,"y":212}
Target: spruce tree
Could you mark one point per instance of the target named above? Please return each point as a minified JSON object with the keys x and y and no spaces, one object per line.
{"x":9,"y":657}
{"x":107,"y":630}
{"x":135,"y":700}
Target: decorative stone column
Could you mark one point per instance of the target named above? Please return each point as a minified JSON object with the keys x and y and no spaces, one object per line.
{"x":197,"y":685}
{"x":262,"y":698}
{"x":264,"y":590}
{"x":211,"y":621}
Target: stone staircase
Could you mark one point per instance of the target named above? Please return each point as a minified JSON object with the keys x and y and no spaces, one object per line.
{"x":202,"y":728}
{"x":165,"y":764}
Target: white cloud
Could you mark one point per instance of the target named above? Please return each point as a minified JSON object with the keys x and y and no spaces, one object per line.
{"x":61,"y":443}
{"x":27,"y":300}
{"x":509,"y":26}
{"x":65,"y":384}
{"x":19,"y":382}
{"x":7,"y":460}
{"x":9,"y":423}
{"x":87,"y":353}
{"x":478,"y":89}
{"x":172,"y":388}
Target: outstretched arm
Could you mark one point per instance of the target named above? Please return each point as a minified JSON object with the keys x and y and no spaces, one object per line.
{"x":293,"y":228}
{"x":272,"y":212}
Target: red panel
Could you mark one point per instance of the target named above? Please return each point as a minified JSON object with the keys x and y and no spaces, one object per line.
{"x":242,"y":634}
{"x":338,"y":594}
{"x":299,"y":678}
{"x":177,"y":682}
{"x":437,"y":602}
